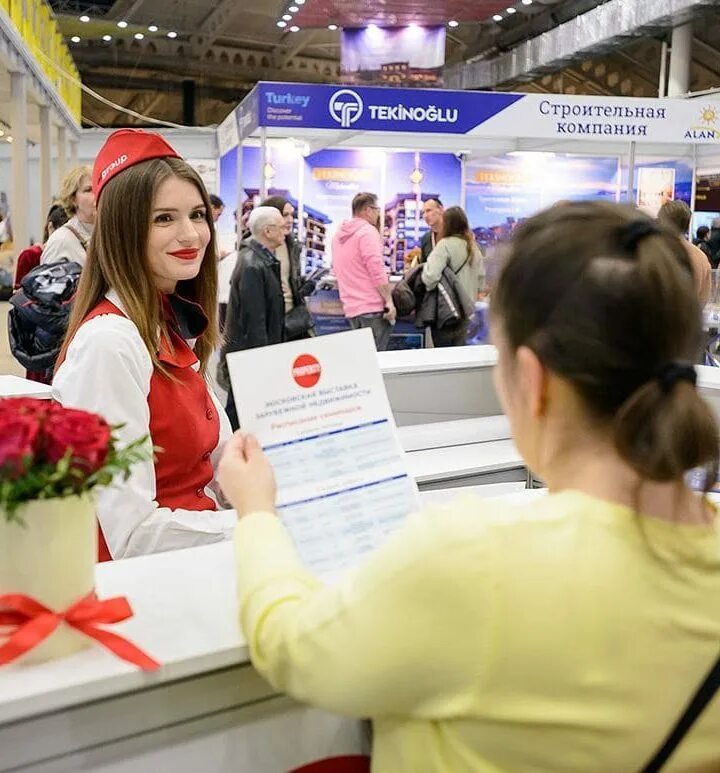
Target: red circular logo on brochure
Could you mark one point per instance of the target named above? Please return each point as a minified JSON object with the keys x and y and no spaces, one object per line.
{"x":306,"y":371}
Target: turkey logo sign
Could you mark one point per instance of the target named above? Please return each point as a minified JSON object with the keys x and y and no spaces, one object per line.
{"x":306,"y":371}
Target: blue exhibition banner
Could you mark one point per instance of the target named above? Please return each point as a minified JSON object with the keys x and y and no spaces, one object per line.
{"x":372,"y":108}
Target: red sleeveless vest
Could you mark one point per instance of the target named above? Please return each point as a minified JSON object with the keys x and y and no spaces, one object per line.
{"x":184,"y":423}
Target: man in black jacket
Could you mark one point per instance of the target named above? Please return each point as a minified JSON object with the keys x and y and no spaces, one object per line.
{"x":433,"y":215}
{"x":256,"y":308}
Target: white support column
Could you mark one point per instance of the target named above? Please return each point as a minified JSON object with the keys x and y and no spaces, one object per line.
{"x":45,"y":161}
{"x":74,"y":152}
{"x":680,"y":61}
{"x":61,"y":152}
{"x":19,"y":201}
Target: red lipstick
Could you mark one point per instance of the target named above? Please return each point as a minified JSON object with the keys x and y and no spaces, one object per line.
{"x":185,"y":254}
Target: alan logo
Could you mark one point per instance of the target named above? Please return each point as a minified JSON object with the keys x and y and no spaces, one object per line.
{"x":708,"y":131}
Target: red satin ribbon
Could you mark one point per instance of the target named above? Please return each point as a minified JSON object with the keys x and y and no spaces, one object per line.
{"x":34,"y":622}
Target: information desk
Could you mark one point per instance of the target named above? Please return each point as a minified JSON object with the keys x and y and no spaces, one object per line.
{"x":464,"y":452}
{"x":205,"y":710}
{"x":14,"y":386}
{"x":429,"y":385}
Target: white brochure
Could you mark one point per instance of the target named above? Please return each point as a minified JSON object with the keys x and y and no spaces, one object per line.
{"x":320,"y":411}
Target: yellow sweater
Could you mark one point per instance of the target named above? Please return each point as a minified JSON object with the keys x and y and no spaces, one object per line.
{"x":563,"y":634}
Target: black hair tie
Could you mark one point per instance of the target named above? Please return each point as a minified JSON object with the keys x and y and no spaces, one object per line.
{"x":669,"y":374}
{"x":637,"y":230}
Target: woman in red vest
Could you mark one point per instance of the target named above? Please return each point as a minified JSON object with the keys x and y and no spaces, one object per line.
{"x":143,"y":326}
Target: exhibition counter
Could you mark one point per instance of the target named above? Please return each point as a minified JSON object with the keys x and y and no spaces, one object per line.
{"x":204,"y":709}
{"x":432,"y":385}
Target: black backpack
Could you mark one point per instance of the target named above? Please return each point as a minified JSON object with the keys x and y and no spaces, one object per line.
{"x":39,"y":313}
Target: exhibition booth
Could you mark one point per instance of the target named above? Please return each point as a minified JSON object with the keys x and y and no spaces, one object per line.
{"x":500,"y":156}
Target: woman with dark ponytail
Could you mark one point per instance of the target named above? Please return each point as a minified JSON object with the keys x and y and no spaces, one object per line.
{"x":564,"y":635}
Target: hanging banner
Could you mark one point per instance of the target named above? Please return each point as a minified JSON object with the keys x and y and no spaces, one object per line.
{"x":484,"y":114}
{"x":393,"y":56}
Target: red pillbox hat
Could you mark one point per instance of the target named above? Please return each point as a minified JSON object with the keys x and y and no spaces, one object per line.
{"x":125,"y":148}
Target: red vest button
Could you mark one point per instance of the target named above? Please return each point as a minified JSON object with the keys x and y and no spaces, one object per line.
{"x":206,"y":456}
{"x":200,"y":493}
{"x":210,"y":415}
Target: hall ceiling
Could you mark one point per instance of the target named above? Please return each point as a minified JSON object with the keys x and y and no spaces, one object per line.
{"x":224,"y":47}
{"x":358,"y":13}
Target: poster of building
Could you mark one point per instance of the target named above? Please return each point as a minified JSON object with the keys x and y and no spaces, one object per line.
{"x":393,"y":56}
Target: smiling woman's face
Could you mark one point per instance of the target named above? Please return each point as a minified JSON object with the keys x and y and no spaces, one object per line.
{"x":179,"y":233}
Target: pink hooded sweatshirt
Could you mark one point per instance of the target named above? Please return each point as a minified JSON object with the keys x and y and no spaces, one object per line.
{"x":357,"y":260}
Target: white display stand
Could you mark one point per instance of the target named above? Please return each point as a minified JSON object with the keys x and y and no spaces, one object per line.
{"x":205,"y":709}
{"x":15,"y":386}
{"x":463,"y":453}
{"x":431,"y":385}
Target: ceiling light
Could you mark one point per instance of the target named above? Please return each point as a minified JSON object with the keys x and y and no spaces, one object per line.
{"x":139,"y":36}
{"x":282,"y":24}
{"x":2,"y":133}
{"x":299,"y":2}
{"x":527,"y":2}
{"x":372,"y":26}
{"x":497,"y":17}
{"x":122,"y":24}
{"x":511,"y":10}
{"x":75,"y":39}
{"x":84,"y":19}
{"x":107,"y":38}
{"x":9,"y":139}
{"x":293,"y":9}
{"x":153,"y":28}
{"x":294,"y":28}
{"x":172,"y":35}
{"x":453,"y":23}
{"x":332,"y":27}
{"x":287,"y":17}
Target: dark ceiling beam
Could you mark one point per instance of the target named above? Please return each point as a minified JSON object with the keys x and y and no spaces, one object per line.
{"x":298,"y":48}
{"x":598,"y":88}
{"x":133,"y":83}
{"x":90,"y":57}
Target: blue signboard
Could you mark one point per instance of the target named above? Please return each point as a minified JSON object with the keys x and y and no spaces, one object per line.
{"x":300,"y":105}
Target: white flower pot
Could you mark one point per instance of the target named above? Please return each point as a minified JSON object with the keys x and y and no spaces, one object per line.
{"x":51,"y":558}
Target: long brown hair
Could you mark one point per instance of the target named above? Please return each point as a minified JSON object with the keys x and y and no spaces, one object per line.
{"x":117,"y":258}
{"x":605,"y":298}
{"x":455,"y":223}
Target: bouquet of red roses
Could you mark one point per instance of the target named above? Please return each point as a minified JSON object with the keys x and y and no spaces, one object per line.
{"x":48,"y":451}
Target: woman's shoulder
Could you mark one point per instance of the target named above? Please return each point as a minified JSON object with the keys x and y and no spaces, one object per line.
{"x":109,"y":335}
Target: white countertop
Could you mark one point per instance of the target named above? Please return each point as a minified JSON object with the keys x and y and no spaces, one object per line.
{"x":442,"y":434}
{"x":433,"y":360}
{"x":185,"y":617}
{"x":438,"y":464}
{"x":14,"y":386}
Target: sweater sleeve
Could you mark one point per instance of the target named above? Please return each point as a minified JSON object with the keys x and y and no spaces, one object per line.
{"x":435,"y":265}
{"x":108,"y":371}
{"x":357,"y":648}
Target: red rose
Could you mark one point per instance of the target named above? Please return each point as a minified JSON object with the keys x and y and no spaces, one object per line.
{"x":26,"y":406}
{"x":86,"y":435}
{"x":18,"y":444}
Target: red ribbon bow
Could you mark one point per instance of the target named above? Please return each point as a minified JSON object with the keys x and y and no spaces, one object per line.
{"x":34,"y":623}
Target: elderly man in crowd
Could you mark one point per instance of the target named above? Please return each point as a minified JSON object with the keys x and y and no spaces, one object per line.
{"x":256,"y":308}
